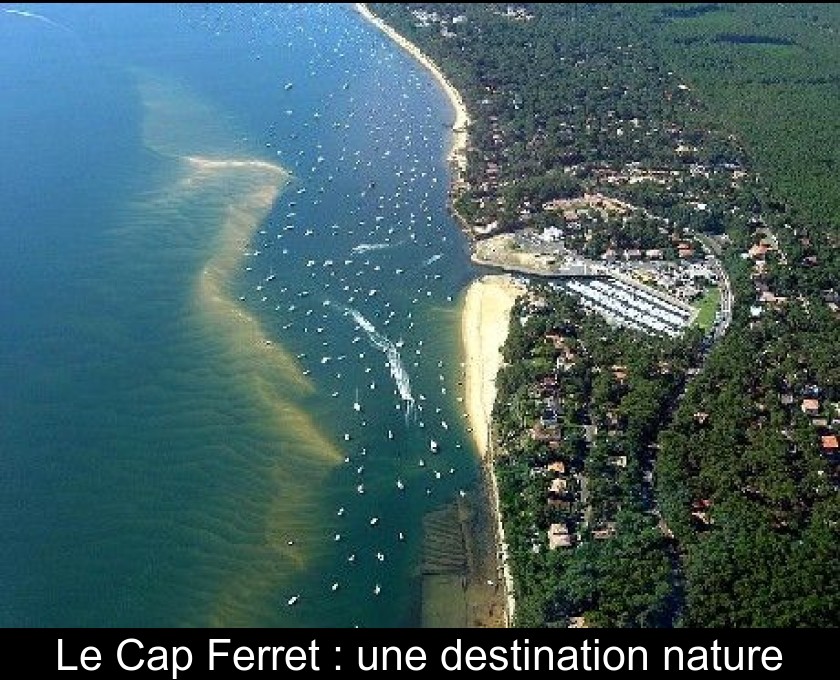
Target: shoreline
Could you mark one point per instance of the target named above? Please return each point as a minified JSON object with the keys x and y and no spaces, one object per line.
{"x":485,"y":322}
{"x":485,"y":318}
{"x":458,"y":152}
{"x":484,"y":328}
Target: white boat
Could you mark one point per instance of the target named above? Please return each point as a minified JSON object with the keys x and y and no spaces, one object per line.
{"x":377,"y":589}
{"x":374,"y":521}
{"x":400,"y":484}
{"x":356,"y":405}
{"x":433,"y":446}
{"x":293,"y":600}
{"x":334,"y":586}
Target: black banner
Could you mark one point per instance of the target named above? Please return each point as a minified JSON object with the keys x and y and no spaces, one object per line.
{"x":232,"y":653}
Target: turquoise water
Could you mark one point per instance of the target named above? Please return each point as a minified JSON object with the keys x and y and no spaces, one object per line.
{"x":186,"y":331}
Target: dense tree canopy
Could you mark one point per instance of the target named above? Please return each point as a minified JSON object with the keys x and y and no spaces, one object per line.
{"x":694,"y":483}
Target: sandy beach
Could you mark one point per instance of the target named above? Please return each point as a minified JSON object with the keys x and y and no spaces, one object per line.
{"x":484,"y":327}
{"x":458,"y":152}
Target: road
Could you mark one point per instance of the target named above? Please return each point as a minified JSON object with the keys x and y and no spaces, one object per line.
{"x":727,"y":298}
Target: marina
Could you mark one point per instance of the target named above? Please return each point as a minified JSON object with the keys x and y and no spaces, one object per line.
{"x":630,"y":306}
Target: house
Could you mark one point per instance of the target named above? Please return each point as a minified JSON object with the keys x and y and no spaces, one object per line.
{"x":557,"y":466}
{"x":603,"y":532}
{"x":618,"y":461}
{"x":700,"y":511}
{"x":758,"y":251}
{"x":562,"y":504}
{"x":551,"y":234}
{"x":810,"y":407}
{"x":830,"y":443}
{"x":771,"y":298}
{"x":546,"y":433}
{"x":558,"y":486}
{"x":565,"y":362}
{"x":559,"y":536}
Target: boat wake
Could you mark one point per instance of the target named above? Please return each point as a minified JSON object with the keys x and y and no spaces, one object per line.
{"x":38,"y":17}
{"x":367,"y":247}
{"x":382,"y":343}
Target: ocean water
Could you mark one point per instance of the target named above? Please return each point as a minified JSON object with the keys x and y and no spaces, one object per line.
{"x":229,"y":289}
